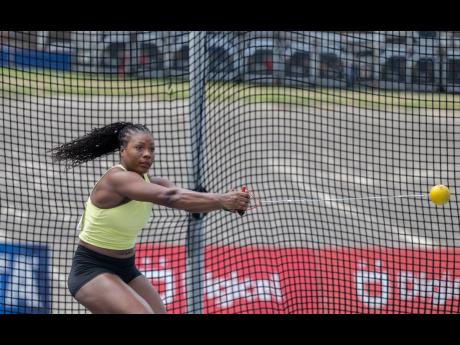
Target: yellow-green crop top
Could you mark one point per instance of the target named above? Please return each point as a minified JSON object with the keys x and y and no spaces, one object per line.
{"x":117,"y":227}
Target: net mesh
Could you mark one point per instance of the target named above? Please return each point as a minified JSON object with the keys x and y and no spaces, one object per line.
{"x":292,"y":115}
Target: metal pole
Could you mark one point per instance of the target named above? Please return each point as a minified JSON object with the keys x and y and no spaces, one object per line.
{"x":195,"y":238}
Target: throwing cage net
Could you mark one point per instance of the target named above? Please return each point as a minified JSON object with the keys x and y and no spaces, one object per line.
{"x":339,"y":136}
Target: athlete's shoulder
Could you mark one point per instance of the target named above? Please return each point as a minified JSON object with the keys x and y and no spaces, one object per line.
{"x":120,"y":175}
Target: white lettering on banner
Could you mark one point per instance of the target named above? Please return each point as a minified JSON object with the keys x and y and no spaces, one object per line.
{"x":166,"y":277}
{"x":223,"y":291}
{"x":226,"y":291}
{"x":411,"y":286}
{"x":22,"y":285}
{"x":439,"y":290}
{"x":368,"y":278}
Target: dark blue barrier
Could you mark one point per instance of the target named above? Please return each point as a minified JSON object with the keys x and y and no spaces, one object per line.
{"x":40,"y":59}
{"x":24,"y":279}
{"x":4,"y":57}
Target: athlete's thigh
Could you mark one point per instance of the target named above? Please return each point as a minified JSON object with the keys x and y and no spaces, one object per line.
{"x":144,"y":288}
{"x":107,"y":293}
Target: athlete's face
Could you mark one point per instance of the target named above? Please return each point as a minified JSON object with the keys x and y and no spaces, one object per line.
{"x":139,"y":153}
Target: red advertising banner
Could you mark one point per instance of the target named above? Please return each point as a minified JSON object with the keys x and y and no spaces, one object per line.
{"x":298,"y":280}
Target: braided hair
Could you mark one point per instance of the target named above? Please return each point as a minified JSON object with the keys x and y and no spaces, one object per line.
{"x":99,"y":142}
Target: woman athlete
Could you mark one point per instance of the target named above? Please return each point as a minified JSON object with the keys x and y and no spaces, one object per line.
{"x":103,"y":277}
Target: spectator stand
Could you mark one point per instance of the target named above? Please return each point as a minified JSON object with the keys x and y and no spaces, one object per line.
{"x":223,"y":57}
{"x":178,"y":48}
{"x":450,"y":71}
{"x":331,"y":61}
{"x":150,"y":57}
{"x":86,"y":48}
{"x":299,"y":66}
{"x":259,"y":61}
{"x":395,"y":64}
{"x":361,"y":58}
{"x":426,"y":63}
{"x":115,"y":50}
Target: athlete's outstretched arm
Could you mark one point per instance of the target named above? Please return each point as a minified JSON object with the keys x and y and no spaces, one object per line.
{"x":130,"y":185}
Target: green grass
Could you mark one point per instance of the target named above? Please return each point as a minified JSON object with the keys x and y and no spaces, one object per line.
{"x":49,"y":83}
{"x":52,"y":83}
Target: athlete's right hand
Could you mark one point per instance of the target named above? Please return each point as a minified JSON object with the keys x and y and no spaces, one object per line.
{"x":235,"y":201}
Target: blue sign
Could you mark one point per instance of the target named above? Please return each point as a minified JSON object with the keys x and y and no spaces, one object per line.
{"x":4,"y":57}
{"x":40,"y":59}
{"x":24,"y":279}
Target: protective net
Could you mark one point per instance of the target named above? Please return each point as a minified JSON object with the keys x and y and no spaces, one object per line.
{"x":340,"y":136}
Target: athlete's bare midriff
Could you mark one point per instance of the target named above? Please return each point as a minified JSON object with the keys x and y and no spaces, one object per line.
{"x":119,"y":254}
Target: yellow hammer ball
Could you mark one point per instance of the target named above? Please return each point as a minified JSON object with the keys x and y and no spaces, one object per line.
{"x":439,"y":194}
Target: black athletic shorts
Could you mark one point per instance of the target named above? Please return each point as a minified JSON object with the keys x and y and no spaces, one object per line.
{"x":87,"y":264}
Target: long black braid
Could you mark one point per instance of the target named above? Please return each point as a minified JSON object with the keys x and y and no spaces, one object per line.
{"x":97,"y":143}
